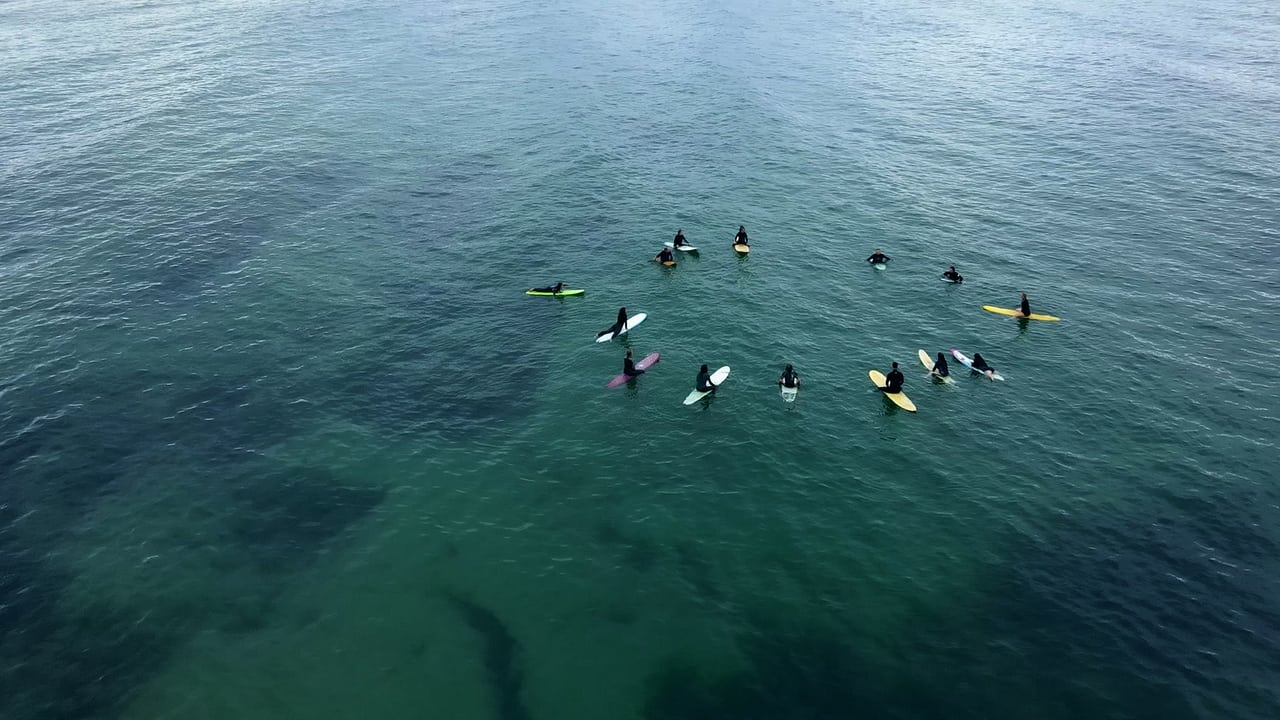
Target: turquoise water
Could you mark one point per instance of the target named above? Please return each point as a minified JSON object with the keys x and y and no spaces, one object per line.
{"x":280,"y":435}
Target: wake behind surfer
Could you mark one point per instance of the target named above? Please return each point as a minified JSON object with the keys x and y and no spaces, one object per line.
{"x":617,"y":326}
{"x":878,"y":258}
{"x":893,"y":381}
{"x":940,"y":366}
{"x":789,"y":378}
{"x":741,"y":237}
{"x":703,"y":383}
{"x":952,"y":275}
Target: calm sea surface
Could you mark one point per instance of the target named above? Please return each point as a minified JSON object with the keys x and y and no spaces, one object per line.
{"x":282,"y":437}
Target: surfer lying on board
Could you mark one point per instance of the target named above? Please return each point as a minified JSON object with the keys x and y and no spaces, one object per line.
{"x":679,"y":240}
{"x":741,"y":237}
{"x":893,"y":381}
{"x":878,"y":258}
{"x":615,"y":328}
{"x":1025,"y":307}
{"x":981,"y":366}
{"x":952,"y":275}
{"x":558,"y":287}
{"x":704,"y":383}
{"x":789,"y":378}
{"x":665,"y":256}
{"x":629,"y":367}
{"x":940,"y":366}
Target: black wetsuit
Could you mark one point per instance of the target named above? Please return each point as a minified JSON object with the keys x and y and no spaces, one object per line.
{"x":940,"y":366}
{"x":893,"y":382}
{"x":1026,"y":307}
{"x":552,"y":289}
{"x":629,"y":368}
{"x":741,"y":238}
{"x":953,"y":276}
{"x":615,"y":328}
{"x":878,"y":258}
{"x":789,"y":379}
{"x":679,"y":241}
{"x":980,"y":364}
{"x":704,"y":381}
{"x":665,"y":255}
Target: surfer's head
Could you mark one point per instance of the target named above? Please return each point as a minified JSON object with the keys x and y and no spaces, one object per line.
{"x":628,"y":352}
{"x":895,"y":366}
{"x":704,"y":367}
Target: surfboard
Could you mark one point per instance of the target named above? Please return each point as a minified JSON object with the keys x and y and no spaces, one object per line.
{"x":1018,"y":313}
{"x":716,"y":378}
{"x":953,"y":282}
{"x":645,"y":363}
{"x":744,"y":249}
{"x":789,"y":394}
{"x":965,"y":361}
{"x":899,"y":399}
{"x":928,"y":361}
{"x":879,"y":266}
{"x":682,"y":248}
{"x":668,"y":263}
{"x":562,"y":293}
{"x":632,"y":321}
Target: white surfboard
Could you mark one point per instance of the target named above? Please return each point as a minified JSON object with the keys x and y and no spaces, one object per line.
{"x":632,"y":321}
{"x":789,"y":394}
{"x":716,"y":378}
{"x":682,"y":248}
{"x":965,"y":361}
{"x":879,"y":266}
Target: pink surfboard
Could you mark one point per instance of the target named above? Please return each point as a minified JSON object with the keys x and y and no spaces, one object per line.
{"x":649,"y":361}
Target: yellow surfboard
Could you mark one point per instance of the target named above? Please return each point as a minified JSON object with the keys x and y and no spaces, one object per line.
{"x":668,"y":263}
{"x":1018,"y":313}
{"x":742,"y":248}
{"x":928,"y":365}
{"x":899,"y":399}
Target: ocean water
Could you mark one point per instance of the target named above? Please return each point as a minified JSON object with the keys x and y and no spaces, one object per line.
{"x":281,"y":436}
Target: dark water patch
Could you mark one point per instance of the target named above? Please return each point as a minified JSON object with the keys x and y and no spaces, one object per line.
{"x":286,"y":516}
{"x":502,"y":656}
{"x":697,"y":570}
{"x":639,"y":553}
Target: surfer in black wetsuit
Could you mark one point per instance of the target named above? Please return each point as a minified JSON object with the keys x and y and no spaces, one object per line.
{"x":617,"y":326}
{"x":981,"y":366}
{"x":554,"y":289}
{"x":629,"y":367}
{"x":878,"y":258}
{"x":952,"y":275}
{"x":1025,"y":307}
{"x":789,"y":378}
{"x":704,"y":383}
{"x":893,"y":381}
{"x":741,"y":237}
{"x":940,"y":366}
{"x":679,"y":240}
{"x":665,"y":256}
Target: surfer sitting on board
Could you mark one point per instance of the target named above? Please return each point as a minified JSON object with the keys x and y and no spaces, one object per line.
{"x":878,"y":258}
{"x":893,"y":381}
{"x":553,"y":289}
{"x":704,"y":383}
{"x":981,"y":366}
{"x":615,"y":328}
{"x":940,"y":366}
{"x":665,"y":256}
{"x":789,"y":378}
{"x":1025,"y":307}
{"x":952,"y":275}
{"x":741,"y":237}
{"x":629,"y":367}
{"x":679,"y":241}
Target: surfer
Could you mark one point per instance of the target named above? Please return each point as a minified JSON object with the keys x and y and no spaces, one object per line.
{"x":940,"y":366}
{"x":554,"y":289}
{"x":789,"y":378}
{"x":893,"y":381}
{"x":952,"y":275}
{"x":629,"y":367}
{"x":703,"y":383}
{"x":1025,"y":307}
{"x":981,"y":366}
{"x":617,"y":326}
{"x":679,"y":240}
{"x":665,"y":256}
{"x":878,"y":258}
{"x":741,"y":237}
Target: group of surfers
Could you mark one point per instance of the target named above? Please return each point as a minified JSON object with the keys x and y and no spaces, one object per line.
{"x":665,"y":255}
